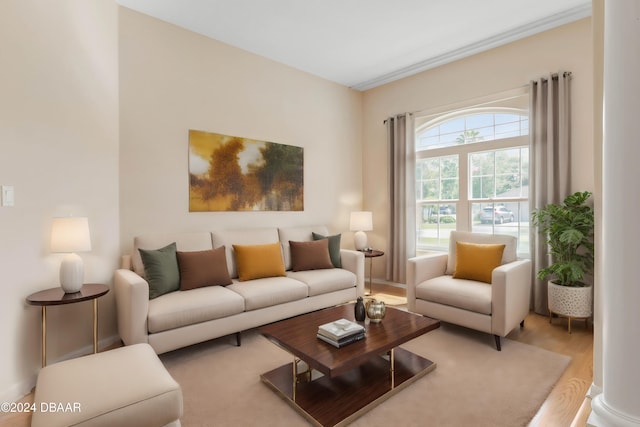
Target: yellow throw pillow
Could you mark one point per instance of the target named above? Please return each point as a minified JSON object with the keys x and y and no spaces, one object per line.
{"x":476,"y":261}
{"x":257,"y":261}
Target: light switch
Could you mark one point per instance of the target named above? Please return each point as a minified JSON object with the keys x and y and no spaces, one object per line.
{"x":7,"y":195}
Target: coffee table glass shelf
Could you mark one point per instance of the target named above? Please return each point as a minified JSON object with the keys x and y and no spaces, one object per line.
{"x":333,"y":386}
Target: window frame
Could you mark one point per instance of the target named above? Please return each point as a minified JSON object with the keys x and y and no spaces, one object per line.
{"x":464,"y":219}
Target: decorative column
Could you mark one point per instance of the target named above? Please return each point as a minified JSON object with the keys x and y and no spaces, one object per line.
{"x":619,"y":402}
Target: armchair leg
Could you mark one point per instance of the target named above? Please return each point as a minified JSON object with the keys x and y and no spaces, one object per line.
{"x":497,"y":337}
{"x":522,"y":323}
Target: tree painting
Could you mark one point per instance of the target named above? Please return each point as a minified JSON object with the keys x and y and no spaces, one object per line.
{"x":229,"y":173}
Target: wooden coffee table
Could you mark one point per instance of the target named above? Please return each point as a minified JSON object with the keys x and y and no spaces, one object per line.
{"x":337,"y":385}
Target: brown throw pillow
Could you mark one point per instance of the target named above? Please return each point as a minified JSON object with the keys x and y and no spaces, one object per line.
{"x":203,"y":268}
{"x":312,"y":255}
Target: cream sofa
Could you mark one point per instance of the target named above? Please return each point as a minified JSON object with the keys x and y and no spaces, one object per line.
{"x":181,"y":318}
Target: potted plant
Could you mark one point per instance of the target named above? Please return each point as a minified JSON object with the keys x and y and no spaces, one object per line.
{"x":569,"y":229}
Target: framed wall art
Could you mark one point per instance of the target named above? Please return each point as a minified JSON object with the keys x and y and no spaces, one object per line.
{"x":230,"y":173}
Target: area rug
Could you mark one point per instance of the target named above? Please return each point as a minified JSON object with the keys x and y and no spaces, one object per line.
{"x":473,"y":384}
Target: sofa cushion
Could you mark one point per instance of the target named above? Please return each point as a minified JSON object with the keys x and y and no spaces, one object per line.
{"x":510,"y":249}
{"x":270,"y":291}
{"x":465,"y":294}
{"x":195,"y":241}
{"x":203,"y":268}
{"x":312,"y":255}
{"x":258,"y":261}
{"x":178,"y":309}
{"x":297,"y":234}
{"x":248,"y":236}
{"x":325,"y":281}
{"x":161,"y":270}
{"x":334,"y":247}
{"x":476,"y":261}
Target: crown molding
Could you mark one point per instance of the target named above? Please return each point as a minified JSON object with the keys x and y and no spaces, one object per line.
{"x":527,"y":30}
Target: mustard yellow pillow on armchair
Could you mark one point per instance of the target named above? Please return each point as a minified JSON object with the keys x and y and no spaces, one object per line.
{"x":257,"y":261}
{"x":476,"y":261}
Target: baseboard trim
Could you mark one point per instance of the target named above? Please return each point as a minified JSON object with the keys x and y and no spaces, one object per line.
{"x":21,"y":389}
{"x":385,"y":282}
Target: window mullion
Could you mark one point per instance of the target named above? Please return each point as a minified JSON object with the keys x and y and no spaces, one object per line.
{"x":463,"y":211}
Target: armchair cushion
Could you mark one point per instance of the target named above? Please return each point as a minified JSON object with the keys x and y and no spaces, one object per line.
{"x":510,"y":248}
{"x":469,"y":295}
{"x":476,"y":261}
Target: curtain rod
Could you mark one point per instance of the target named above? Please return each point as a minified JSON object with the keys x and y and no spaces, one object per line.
{"x":554,"y":76}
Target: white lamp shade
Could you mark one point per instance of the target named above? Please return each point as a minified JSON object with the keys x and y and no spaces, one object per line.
{"x":361,"y":221}
{"x":70,"y":234}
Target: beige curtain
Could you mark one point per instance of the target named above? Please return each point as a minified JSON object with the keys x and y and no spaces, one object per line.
{"x":402,"y":200}
{"x":550,"y":134}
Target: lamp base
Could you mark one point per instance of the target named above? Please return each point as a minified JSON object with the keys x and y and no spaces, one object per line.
{"x":360,"y":240}
{"x":71,"y":273}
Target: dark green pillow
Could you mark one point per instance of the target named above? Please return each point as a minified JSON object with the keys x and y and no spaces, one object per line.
{"x":161,"y":270}
{"x":334,"y":248}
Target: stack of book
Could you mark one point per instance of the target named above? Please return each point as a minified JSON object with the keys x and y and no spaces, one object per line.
{"x":341,"y":332}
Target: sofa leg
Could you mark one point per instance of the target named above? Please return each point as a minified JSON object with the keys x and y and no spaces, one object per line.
{"x":238,"y":339}
{"x":497,"y":337}
{"x":522,"y":323}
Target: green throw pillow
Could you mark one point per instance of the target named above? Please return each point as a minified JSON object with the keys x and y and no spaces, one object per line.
{"x":161,"y":270}
{"x":334,"y":248}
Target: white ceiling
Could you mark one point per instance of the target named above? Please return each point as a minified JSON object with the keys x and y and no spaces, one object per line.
{"x":364,"y":43}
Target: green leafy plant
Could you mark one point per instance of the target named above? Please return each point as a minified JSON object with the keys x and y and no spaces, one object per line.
{"x":569,"y":228}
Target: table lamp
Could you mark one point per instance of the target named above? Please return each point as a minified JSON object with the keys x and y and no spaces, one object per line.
{"x":360,"y":222}
{"x":70,"y":235}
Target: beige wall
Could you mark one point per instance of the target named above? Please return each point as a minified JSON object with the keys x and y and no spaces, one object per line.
{"x":59,"y":149}
{"x":567,"y":48}
{"x":173,"y":80}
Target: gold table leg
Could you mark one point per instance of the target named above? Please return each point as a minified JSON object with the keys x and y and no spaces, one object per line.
{"x":370,"y":276}
{"x":295,"y":377}
{"x":95,"y":325}
{"x":44,"y":336}
{"x":393,"y":369}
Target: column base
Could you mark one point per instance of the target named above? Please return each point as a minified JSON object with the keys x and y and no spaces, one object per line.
{"x":604,"y":416}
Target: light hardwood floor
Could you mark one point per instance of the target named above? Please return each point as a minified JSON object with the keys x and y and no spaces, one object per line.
{"x":565,"y":406}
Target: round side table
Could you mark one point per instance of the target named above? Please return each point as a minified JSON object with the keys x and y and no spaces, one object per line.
{"x":56,"y":296}
{"x":371,"y":253}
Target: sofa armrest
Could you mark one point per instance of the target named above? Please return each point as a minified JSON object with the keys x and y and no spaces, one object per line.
{"x":421,"y":268}
{"x":132,"y":306}
{"x":353,"y":261}
{"x":511,"y":295}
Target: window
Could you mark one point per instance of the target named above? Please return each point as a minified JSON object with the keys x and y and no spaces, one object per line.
{"x":472,"y":173}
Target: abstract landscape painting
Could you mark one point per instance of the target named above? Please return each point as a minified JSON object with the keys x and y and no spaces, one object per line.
{"x":230,"y":173}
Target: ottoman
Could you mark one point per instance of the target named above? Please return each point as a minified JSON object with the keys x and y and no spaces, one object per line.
{"x":127,"y":386}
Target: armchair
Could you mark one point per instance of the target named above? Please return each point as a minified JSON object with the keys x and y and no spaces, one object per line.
{"x":497,"y":307}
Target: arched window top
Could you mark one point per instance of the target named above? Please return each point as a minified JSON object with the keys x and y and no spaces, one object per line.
{"x":472,"y":126}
